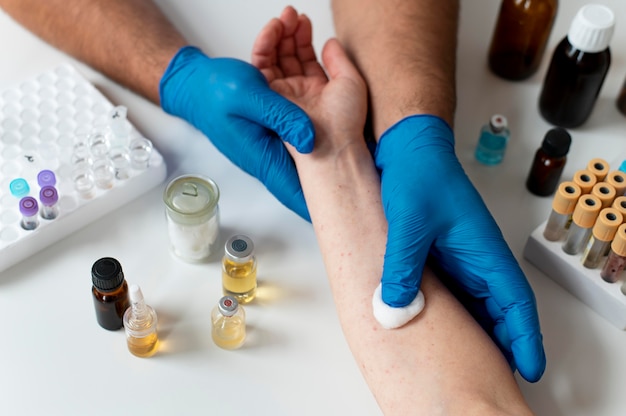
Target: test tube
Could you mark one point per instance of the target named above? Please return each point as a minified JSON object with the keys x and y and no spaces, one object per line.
{"x":599,"y":167}
{"x":585,"y":179}
{"x":121,"y":162}
{"x":49,"y":197}
{"x":620,"y":205}
{"x":616,"y":261}
{"x":140,"y":151}
{"x":83,"y":180}
{"x":604,"y":192}
{"x":29,"y":210}
{"x":601,"y":235}
{"x":617,"y":179}
{"x":46,"y":178}
{"x":103,"y":173}
{"x":584,"y":216}
{"x":563,"y":205}
{"x":99,"y":144}
{"x":19,"y":187}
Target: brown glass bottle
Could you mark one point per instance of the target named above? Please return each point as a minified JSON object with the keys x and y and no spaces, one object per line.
{"x":110,"y":293}
{"x":578,"y":68}
{"x":520,"y":36}
{"x":621,"y":100}
{"x":545,"y":172}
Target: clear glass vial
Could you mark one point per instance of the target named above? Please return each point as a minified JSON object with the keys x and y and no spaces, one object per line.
{"x":616,"y":260}
{"x":140,"y":325}
{"x":228,"y":324}
{"x":601,"y":236}
{"x":191,"y":206}
{"x":239,"y":269}
{"x":30,"y":212}
{"x":492,"y":142}
{"x":49,"y":198}
{"x":109,"y":292}
{"x":584,"y":216}
{"x":563,"y":206}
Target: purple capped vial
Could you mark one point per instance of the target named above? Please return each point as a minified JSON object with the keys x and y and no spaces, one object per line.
{"x":46,"y":177}
{"x":29,"y":210}
{"x":49,"y":197}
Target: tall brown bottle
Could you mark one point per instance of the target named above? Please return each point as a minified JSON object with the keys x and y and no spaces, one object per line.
{"x":520,"y":36}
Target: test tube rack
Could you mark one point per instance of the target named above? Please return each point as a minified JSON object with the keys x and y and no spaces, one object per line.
{"x":42,"y":120}
{"x":567,"y":270}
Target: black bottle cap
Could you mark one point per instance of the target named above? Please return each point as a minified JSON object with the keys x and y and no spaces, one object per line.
{"x":556,"y":142}
{"x":107,"y":274}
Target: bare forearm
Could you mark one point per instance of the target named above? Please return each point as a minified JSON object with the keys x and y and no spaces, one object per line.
{"x":437,"y":363}
{"x":130,"y":41}
{"x":406,"y":50}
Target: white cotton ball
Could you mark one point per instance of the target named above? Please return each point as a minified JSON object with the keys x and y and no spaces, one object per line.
{"x":389,"y":317}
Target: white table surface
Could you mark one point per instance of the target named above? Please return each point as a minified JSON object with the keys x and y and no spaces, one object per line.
{"x":56,"y":360}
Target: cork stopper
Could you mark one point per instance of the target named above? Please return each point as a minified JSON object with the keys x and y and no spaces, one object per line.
{"x":604,"y":192}
{"x":586,"y":211}
{"x":607,"y":223}
{"x":598,"y":167}
{"x":565,"y":198}
{"x":620,"y":205}
{"x":619,"y":241}
{"x":585,"y":179}
{"x":617,"y":179}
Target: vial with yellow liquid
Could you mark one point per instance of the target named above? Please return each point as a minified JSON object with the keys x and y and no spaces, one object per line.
{"x":140,"y":324}
{"x":239,"y":269}
{"x":228,"y":324}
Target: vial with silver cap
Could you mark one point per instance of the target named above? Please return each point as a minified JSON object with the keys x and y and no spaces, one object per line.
{"x":239,"y":269}
{"x":228,"y":324}
{"x":492,"y":141}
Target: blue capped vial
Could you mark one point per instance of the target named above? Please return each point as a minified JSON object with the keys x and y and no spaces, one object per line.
{"x":492,"y":142}
{"x":19,"y":187}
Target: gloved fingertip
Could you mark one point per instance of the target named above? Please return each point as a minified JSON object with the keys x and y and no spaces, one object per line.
{"x":397,"y":296}
{"x":304,"y":138}
{"x":389,"y":317}
{"x":530,"y":358}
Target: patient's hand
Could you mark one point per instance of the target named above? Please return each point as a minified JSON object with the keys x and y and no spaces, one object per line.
{"x":337,"y":103}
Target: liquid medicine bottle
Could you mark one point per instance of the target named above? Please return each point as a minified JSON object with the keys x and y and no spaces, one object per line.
{"x":228,"y":324}
{"x":549,"y":161}
{"x":109,"y":292}
{"x":578,"y":68}
{"x":140,"y":325}
{"x":520,"y":37}
{"x":239,"y":269}
{"x":494,"y":136}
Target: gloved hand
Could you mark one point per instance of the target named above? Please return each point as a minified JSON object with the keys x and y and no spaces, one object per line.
{"x":231,"y":103}
{"x":431,"y":206}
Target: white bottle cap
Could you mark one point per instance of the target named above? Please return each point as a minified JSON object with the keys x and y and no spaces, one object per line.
{"x":134,"y":293}
{"x":592,"y":28}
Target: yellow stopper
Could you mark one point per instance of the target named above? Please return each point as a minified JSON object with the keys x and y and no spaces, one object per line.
{"x":565,"y":198}
{"x":598,"y":167}
{"x":586,"y":211}
{"x":605,"y":193}
{"x":619,"y":241}
{"x":606,"y":225}
{"x":585,"y":179}
{"x":617,"y":179}
{"x":620,"y":205}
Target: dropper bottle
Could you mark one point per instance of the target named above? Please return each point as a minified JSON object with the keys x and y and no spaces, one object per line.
{"x":140,"y":324}
{"x":563,"y":206}
{"x":603,"y":232}
{"x":583,"y":218}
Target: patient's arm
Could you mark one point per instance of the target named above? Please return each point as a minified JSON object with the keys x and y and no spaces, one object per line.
{"x":441,"y":362}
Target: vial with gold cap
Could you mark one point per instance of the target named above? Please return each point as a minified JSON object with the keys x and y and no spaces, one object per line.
{"x":228,"y":324}
{"x":239,"y":269}
{"x":601,"y":236}
{"x":616,"y":260}
{"x":584,"y":216}
{"x":563,"y":206}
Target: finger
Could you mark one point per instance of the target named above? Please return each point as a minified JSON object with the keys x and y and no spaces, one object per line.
{"x":527,"y":342}
{"x":304,"y":48}
{"x":264,"y":50}
{"x":288,"y":60}
{"x":337,"y":62}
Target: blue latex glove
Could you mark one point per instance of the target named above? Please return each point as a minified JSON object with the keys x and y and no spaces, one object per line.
{"x":432,"y":207}
{"x":231,"y":103}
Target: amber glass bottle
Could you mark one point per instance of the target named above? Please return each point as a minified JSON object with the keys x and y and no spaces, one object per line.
{"x":549,"y":162}
{"x":520,"y":36}
{"x":621,"y":100}
{"x":110,"y":293}
{"x":578,"y":68}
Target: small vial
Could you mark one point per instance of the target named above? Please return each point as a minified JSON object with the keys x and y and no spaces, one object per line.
{"x":103,"y":173}
{"x":109,"y":292}
{"x":46,"y":178}
{"x":616,"y":260}
{"x":121,"y":162}
{"x":140,"y":152}
{"x":549,"y":161}
{"x":29,"y":210}
{"x":617,"y":179}
{"x":81,"y":154}
{"x":228,"y":324}
{"x":140,"y":325}
{"x":239,"y":268}
{"x":583,"y":218}
{"x":19,"y":187}
{"x":585,"y":179}
{"x":599,"y":167}
{"x":84,"y":181}
{"x":605,"y":193}
{"x":492,"y":142}
{"x":563,"y":206}
{"x":99,"y":144}
{"x":603,"y":232}
{"x":49,"y":198}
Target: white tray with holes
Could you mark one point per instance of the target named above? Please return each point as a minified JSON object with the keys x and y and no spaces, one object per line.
{"x":60,"y":122}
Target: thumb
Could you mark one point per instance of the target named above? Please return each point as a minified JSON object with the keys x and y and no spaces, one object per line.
{"x":336,"y":61}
